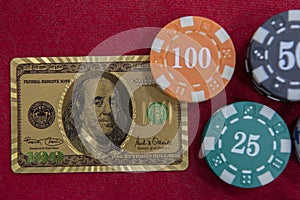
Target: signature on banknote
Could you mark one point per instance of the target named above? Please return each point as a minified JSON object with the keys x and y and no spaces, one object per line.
{"x":49,"y":141}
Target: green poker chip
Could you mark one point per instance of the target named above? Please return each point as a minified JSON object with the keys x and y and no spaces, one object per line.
{"x":246,"y":144}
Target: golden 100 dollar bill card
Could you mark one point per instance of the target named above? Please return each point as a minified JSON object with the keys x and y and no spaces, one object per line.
{"x":93,"y":114}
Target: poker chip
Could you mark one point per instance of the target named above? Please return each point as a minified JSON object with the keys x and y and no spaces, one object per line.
{"x":297,"y":139}
{"x":246,"y":144}
{"x":192,"y":59}
{"x":273,"y":57}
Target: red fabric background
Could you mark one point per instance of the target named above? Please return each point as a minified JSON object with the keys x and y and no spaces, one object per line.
{"x":74,"y":28}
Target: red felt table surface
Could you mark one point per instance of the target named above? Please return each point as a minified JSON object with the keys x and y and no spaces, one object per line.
{"x":75,"y":28}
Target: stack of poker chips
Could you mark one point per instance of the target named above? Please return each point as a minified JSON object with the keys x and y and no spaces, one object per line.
{"x":273,"y":57}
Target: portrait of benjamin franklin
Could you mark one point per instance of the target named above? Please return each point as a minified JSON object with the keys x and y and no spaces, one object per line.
{"x":97,"y":114}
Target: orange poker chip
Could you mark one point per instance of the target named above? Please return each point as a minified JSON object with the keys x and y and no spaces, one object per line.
{"x":192,"y":59}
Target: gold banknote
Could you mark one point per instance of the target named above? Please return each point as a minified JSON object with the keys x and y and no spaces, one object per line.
{"x":93,"y":114}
